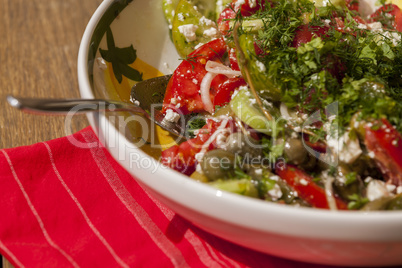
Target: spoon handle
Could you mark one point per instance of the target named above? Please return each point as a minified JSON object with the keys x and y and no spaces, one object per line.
{"x":66,"y":106}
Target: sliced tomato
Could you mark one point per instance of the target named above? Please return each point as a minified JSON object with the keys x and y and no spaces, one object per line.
{"x":226,"y":89}
{"x":382,"y":139}
{"x":305,"y":33}
{"x":352,"y":4}
{"x":306,"y":188}
{"x":234,"y":64}
{"x":224,"y":19}
{"x":248,"y":8}
{"x":184,"y":86}
{"x":182,"y":157}
{"x":391,"y":9}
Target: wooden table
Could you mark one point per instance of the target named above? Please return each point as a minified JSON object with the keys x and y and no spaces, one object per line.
{"x":38,"y":58}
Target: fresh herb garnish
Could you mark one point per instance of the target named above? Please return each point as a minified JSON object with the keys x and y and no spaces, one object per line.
{"x":361,"y":69}
{"x":195,"y":124}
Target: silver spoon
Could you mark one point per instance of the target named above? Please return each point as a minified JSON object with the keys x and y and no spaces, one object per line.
{"x":148,"y":96}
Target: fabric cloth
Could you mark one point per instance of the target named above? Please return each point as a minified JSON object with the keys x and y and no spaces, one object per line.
{"x":64,"y":206}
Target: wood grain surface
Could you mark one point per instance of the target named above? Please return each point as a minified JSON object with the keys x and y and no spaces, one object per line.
{"x":38,"y":58}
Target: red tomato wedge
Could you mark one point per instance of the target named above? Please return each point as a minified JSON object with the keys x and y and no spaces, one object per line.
{"x":306,"y":188}
{"x":182,"y":157}
{"x":224,"y":20}
{"x":226,"y":89}
{"x":183,"y":90}
{"x":184,"y":86}
{"x":391,"y":9}
{"x":385,"y":142}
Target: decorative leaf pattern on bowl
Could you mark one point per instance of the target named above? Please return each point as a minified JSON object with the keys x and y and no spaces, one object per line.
{"x":120,"y":58}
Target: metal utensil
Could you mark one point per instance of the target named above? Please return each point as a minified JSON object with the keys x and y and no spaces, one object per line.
{"x":146,"y":95}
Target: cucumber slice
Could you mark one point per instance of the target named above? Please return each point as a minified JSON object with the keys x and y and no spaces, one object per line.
{"x":192,"y":25}
{"x":243,"y":104}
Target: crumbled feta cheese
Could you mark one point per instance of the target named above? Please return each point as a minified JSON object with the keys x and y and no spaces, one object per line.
{"x":188,"y":30}
{"x":303,"y":182}
{"x":350,"y":149}
{"x":399,"y":190}
{"x":376,"y":189}
{"x":173,"y":101}
{"x":375,"y":26}
{"x":347,"y":149}
{"x":172,"y":116}
{"x":206,"y":21}
{"x":180,"y":16}
{"x":261,"y":66}
{"x":211,"y":32}
{"x":275,"y":192}
{"x":361,"y":26}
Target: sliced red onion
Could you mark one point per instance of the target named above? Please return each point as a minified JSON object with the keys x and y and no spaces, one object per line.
{"x":204,"y":90}
{"x":329,"y":193}
{"x":219,"y":68}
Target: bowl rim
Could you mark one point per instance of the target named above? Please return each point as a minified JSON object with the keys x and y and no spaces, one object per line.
{"x":360,"y":224}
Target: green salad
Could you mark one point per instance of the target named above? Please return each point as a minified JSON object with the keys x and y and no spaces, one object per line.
{"x":292,"y":102}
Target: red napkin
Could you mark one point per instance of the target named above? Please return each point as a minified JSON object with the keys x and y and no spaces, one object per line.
{"x":67,"y":206}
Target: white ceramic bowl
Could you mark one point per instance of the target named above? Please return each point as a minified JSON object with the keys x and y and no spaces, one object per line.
{"x":311,"y":235}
